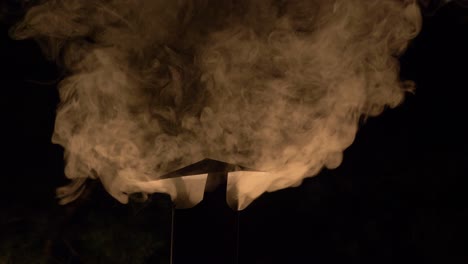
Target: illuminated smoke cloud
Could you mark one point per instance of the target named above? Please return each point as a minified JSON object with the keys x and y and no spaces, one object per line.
{"x":273,"y":85}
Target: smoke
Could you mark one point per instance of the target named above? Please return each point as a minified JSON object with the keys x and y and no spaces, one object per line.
{"x":274,"y":85}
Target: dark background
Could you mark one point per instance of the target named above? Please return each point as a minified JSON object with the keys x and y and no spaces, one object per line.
{"x":400,"y":195}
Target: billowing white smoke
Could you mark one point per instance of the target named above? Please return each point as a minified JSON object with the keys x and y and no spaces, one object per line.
{"x":274,"y":85}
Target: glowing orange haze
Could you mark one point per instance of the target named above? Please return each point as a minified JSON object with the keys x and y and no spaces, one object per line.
{"x":274,"y":85}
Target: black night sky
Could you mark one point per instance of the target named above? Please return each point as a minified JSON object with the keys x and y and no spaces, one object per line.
{"x":400,"y":195}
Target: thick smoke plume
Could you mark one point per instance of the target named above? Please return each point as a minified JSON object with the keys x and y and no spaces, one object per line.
{"x":274,"y":85}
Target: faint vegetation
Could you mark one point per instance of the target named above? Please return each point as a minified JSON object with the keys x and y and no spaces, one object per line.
{"x":117,"y":234}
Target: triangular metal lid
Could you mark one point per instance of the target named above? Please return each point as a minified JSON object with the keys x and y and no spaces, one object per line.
{"x":217,"y":173}
{"x":209,"y":166}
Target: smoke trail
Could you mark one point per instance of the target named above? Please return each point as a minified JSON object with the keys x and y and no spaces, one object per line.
{"x":275,"y":85}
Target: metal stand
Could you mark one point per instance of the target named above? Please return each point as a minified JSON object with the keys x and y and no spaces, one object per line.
{"x":171,"y":260}
{"x":207,"y":233}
